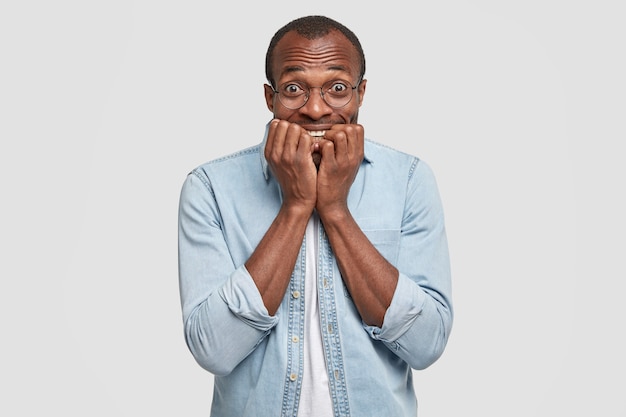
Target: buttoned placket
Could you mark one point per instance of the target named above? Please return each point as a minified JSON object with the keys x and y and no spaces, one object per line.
{"x":295,"y":347}
{"x":329,"y":325}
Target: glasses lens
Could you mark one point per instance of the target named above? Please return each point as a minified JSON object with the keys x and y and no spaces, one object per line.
{"x":337,"y":93}
{"x":293,"y":95}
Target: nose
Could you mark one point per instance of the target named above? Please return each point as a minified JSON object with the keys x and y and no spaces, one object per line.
{"x":315,"y":106}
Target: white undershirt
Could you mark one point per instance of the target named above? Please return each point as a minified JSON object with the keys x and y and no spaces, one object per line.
{"x":315,"y":400}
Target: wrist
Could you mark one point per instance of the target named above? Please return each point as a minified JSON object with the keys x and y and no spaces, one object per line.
{"x":332,"y":214}
{"x":296,"y":211}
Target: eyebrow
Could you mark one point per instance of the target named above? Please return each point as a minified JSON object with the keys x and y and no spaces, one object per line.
{"x":296,"y":68}
{"x":291,"y":69}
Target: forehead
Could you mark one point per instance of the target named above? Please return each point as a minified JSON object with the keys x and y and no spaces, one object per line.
{"x":332,"y":53}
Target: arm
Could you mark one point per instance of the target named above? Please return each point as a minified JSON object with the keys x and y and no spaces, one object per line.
{"x":224,"y":316}
{"x":406,"y":305}
{"x":419,"y":320}
{"x":288,"y":153}
{"x":370,"y":279}
{"x":229,"y":309}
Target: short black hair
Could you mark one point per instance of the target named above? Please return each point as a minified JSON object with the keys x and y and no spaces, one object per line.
{"x":312,"y":27}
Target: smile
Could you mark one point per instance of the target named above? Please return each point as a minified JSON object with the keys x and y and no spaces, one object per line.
{"x":317,"y":133}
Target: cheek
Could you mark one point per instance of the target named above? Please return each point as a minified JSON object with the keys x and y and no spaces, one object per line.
{"x":282,"y":113}
{"x":351,"y":115}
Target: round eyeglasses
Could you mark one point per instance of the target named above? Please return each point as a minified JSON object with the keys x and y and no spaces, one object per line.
{"x":295,"y":94}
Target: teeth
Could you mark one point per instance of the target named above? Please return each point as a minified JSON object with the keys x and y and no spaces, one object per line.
{"x":317,"y":133}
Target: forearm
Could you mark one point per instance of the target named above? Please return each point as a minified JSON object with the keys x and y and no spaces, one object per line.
{"x":369,"y":277}
{"x":272,"y":262}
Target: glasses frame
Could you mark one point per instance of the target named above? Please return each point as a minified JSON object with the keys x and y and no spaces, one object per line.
{"x":307,"y":93}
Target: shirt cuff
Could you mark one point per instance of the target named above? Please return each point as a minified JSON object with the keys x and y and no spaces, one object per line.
{"x":242,"y":296}
{"x":406,"y":306}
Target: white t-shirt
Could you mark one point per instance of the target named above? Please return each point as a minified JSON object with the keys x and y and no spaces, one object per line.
{"x":315,"y":400}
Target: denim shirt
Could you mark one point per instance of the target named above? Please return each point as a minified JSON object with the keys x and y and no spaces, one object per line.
{"x":228,"y":204}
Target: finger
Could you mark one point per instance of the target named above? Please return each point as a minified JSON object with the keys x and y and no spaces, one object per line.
{"x":274,"y":142}
{"x":355,"y":142}
{"x":340,"y":141}
{"x":328,"y":152}
{"x":293,"y":138}
{"x":284,"y":141}
{"x":355,"y":138}
{"x":304,"y":141}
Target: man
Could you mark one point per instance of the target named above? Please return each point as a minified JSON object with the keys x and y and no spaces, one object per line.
{"x":314,"y":270}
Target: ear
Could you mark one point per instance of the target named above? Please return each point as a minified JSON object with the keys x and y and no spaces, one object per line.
{"x":269,"y":97}
{"x":361,"y":91}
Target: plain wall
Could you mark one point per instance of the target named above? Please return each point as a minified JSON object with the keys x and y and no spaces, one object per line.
{"x":105,"y":106}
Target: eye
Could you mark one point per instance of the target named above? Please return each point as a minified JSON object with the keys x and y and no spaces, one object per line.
{"x":338,"y":88}
{"x":292,"y":89}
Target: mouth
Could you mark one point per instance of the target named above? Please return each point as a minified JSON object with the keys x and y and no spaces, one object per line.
{"x":316,"y":133}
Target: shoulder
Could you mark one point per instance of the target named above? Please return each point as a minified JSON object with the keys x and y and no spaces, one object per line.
{"x":239,"y":157}
{"x":242,"y":160}
{"x":392,"y":158}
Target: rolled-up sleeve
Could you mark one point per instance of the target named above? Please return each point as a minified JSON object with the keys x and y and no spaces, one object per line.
{"x":223,"y":313}
{"x":418,"y":322}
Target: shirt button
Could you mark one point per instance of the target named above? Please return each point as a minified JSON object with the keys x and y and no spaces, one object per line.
{"x":293,"y":377}
{"x":330,"y":328}
{"x":296,"y":294}
{"x":325,"y":283}
{"x":295,"y":339}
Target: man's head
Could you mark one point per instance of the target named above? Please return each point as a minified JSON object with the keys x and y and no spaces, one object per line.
{"x":312,"y":27}
{"x":315,"y":68}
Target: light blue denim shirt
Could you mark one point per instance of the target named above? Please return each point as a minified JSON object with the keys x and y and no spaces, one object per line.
{"x":227,"y":205}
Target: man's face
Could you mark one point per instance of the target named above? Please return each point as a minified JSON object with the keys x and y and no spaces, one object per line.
{"x":315,"y":63}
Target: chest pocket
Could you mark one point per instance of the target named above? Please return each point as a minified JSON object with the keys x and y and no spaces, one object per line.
{"x":387,"y":242}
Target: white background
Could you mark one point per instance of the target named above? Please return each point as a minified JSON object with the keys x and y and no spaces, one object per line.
{"x":518,"y":106}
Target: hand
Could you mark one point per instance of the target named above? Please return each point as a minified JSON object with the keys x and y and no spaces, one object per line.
{"x":288,"y":151}
{"x":342,"y":154}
